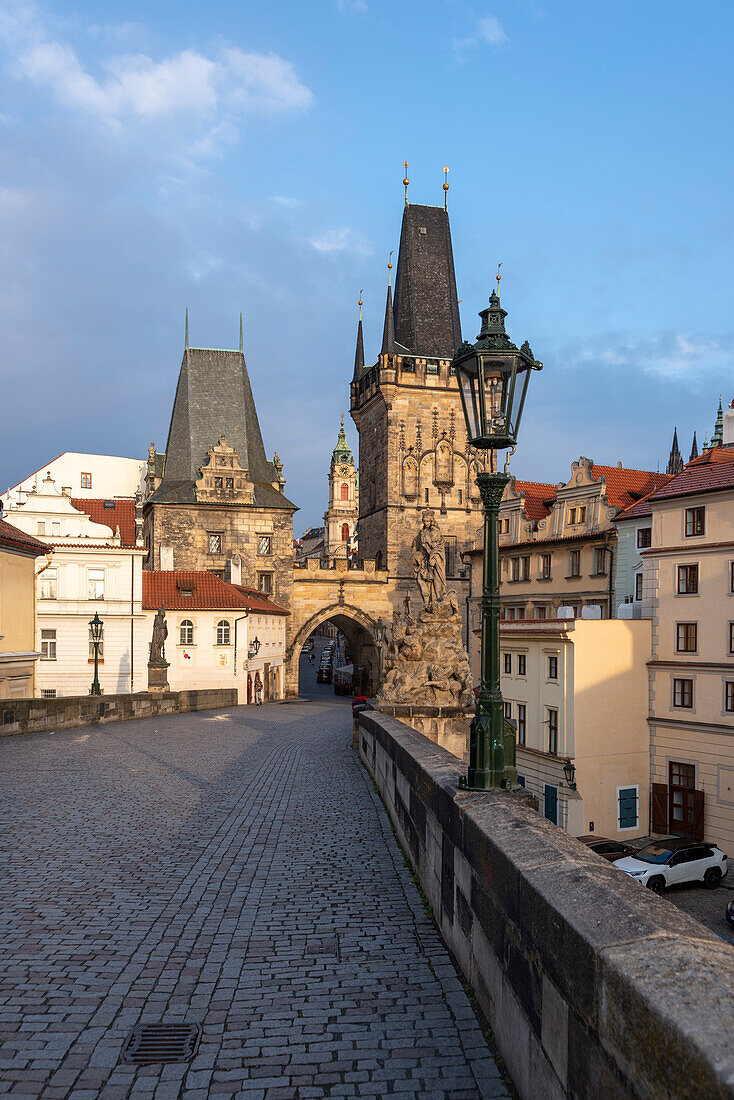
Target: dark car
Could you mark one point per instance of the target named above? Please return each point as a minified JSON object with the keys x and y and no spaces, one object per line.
{"x":730,"y":912}
{"x":603,"y":846}
{"x":323,"y":676}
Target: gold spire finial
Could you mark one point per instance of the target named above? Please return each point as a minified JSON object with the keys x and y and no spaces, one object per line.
{"x":389,"y":269}
{"x":406,"y":181}
{"x":342,"y":420}
{"x":445,"y":187}
{"x":498,"y":277}
{"x":360,"y":304}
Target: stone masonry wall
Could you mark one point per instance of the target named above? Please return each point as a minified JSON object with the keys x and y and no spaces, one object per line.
{"x":594,"y":987}
{"x":44,"y":715}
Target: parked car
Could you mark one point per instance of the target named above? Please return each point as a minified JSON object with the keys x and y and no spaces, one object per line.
{"x":730,"y":912}
{"x":669,"y":862}
{"x":323,"y":676}
{"x":603,"y":846}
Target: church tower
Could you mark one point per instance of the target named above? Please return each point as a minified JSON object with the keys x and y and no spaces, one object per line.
{"x":340,"y":519}
{"x":675,"y":461}
{"x":413,"y":451}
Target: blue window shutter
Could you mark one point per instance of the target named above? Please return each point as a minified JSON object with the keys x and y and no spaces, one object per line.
{"x":628,"y":808}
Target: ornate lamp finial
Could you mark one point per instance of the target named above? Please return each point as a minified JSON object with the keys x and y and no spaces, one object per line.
{"x":406,"y":181}
{"x":342,"y":420}
{"x":445,"y":187}
{"x":389,"y":269}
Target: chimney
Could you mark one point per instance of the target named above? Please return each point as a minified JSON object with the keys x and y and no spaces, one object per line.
{"x":728,"y":433}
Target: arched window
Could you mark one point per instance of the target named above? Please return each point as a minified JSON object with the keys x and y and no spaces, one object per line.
{"x":222,"y":632}
{"x":186,"y":632}
{"x":345,"y":532}
{"x":344,"y":491}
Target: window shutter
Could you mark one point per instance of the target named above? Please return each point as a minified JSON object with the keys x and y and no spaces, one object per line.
{"x":698,"y":805}
{"x":660,"y":807}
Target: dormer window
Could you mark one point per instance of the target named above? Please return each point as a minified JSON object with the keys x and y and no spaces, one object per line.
{"x":186,"y":592}
{"x":109,"y":504}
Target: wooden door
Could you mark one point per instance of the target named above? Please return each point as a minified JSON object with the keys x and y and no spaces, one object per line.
{"x":682,"y":803}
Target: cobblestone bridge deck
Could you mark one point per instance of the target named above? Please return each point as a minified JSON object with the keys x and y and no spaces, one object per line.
{"x":233,"y":870}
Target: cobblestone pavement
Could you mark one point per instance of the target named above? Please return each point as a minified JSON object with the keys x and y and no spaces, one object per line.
{"x":231,"y":869}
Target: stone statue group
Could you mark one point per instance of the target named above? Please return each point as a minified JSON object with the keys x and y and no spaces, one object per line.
{"x":427,"y":664}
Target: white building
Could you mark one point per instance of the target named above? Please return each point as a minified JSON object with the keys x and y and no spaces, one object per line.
{"x":219,"y":635}
{"x":97,"y":567}
{"x":81,"y":475}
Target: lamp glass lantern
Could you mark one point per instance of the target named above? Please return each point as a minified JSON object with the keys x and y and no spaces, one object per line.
{"x":255,"y":646}
{"x":96,"y":626}
{"x":493,"y":392}
{"x":569,"y":770}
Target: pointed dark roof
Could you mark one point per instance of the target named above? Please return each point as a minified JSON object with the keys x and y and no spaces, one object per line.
{"x":358,"y":353}
{"x":675,"y":462}
{"x":214,"y":400}
{"x":426,"y":310}
{"x":694,"y":449}
{"x":718,"y":437}
{"x":388,"y":329}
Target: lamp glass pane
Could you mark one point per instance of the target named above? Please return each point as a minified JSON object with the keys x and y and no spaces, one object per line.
{"x":467,"y":388}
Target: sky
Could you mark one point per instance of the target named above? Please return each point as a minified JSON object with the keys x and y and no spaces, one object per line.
{"x":249,"y":157}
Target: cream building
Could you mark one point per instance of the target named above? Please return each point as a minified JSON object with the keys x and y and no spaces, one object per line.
{"x":688,"y":592}
{"x":84,"y":475}
{"x":18,"y":652}
{"x":97,"y":568}
{"x":577,"y":691}
{"x":219,"y":634}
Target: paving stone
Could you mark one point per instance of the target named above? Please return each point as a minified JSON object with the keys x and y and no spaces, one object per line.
{"x":241,"y":875}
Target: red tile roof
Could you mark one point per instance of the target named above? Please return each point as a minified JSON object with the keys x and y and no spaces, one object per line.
{"x":122,"y":514}
{"x":625,"y":487}
{"x":18,"y":540}
{"x":711,"y":471}
{"x":209,"y":593}
{"x":539,"y":496}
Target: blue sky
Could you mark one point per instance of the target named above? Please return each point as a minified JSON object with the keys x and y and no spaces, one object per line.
{"x":249,"y":157}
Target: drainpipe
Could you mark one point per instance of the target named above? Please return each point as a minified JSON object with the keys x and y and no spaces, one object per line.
{"x":610,"y":551}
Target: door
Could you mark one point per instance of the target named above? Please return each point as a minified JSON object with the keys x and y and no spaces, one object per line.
{"x":266,"y":683}
{"x":681,"y":799}
{"x":249,"y":687}
{"x":550,"y":800}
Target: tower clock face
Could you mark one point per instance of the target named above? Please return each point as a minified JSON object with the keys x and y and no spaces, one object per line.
{"x":345,"y":470}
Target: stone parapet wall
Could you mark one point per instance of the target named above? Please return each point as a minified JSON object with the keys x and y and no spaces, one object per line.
{"x":18,"y":716}
{"x":594,"y":987}
{"x":446,"y":726}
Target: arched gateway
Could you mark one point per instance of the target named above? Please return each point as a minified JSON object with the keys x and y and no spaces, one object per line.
{"x":352,"y":599}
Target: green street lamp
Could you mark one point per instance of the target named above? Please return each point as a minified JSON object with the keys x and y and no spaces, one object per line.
{"x":493,"y":376}
{"x":379,"y":630}
{"x":96,"y":626}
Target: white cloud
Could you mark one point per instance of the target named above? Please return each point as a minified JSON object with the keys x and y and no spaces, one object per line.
{"x":353,"y":7}
{"x":488,"y":31}
{"x":136,"y":87}
{"x":673,"y":356}
{"x":336,"y":241}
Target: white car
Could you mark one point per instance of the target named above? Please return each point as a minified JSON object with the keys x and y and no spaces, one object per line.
{"x":667,"y":862}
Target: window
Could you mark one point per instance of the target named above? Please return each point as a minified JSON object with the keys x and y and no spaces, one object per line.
{"x":574,"y":563}
{"x":687,"y":580}
{"x":86,"y":481}
{"x":521,"y":723}
{"x":101,"y":647}
{"x":48,"y":584}
{"x":265,"y":583}
{"x":553,"y":668}
{"x":731,"y":576}
{"x":55,"y":528}
{"x":229,"y":483}
{"x":729,"y":696}
{"x":682,"y":693}
{"x":545,"y":567}
{"x":431,"y":366}
{"x":461,"y":497}
{"x":345,"y":532}
{"x":638,"y":586}
{"x":600,"y":561}
{"x":686,"y":637}
{"x":41,"y":527}
{"x":508,"y":664}
{"x":522,"y":663}
{"x":644,"y":537}
{"x":505,"y":526}
{"x":48,"y":645}
{"x":514,"y":613}
{"x":541,"y":611}
{"x":576,"y":515}
{"x":215,"y":544}
{"x":550,"y":802}
{"x":520,"y":568}
{"x":186,"y":632}
{"x":695,"y":521}
{"x":552,"y":731}
{"x":264,"y":544}
{"x":344,"y":491}
{"x":223,"y":632}
{"x":521,"y":780}
{"x":218,"y":483}
{"x":627,"y":808}
{"x":95,"y":580}
{"x":508,"y":709}
{"x":731,"y":638}
{"x":48,"y":693}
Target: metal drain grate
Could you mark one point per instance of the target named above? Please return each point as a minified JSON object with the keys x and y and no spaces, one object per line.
{"x":162,"y":1043}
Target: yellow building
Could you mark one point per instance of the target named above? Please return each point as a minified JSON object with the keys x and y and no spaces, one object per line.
{"x":688,"y":592}
{"x":18,"y":654}
{"x":577,"y":691}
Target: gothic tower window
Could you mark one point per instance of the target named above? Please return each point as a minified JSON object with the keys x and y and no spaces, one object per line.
{"x":345,"y":532}
{"x":344,"y":491}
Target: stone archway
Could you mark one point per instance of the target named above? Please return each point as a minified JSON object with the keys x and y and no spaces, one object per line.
{"x":357,"y":627}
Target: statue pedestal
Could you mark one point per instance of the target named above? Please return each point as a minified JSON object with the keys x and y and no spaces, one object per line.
{"x":446,"y":726}
{"x":158,"y":676}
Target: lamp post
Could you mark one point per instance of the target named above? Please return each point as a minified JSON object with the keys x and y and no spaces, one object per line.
{"x":380,"y":631}
{"x":96,"y":626}
{"x":493,"y":376}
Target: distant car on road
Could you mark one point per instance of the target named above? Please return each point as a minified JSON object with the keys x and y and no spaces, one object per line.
{"x":323,"y":676}
{"x":669,"y":862}
{"x":603,"y":846}
{"x":730,"y":912}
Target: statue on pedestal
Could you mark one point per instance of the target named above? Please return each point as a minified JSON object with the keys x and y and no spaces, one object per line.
{"x":157,"y":663}
{"x":429,"y":560}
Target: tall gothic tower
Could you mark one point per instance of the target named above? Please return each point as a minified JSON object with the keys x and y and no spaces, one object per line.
{"x":340,"y":519}
{"x":413,"y":451}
